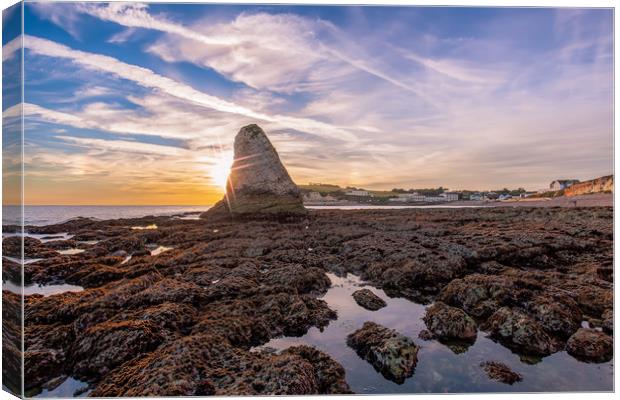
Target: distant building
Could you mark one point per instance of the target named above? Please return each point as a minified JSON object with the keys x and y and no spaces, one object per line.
{"x":434,"y":198}
{"x":476,"y":196}
{"x":415,"y":197}
{"x":450,"y":196}
{"x":411,"y":197}
{"x":361,"y":193}
{"x":561,"y":184}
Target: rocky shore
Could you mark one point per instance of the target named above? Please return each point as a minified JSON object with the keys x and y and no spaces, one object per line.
{"x":528,"y":278}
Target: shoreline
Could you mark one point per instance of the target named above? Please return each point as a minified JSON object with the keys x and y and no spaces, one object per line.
{"x":587,"y":200}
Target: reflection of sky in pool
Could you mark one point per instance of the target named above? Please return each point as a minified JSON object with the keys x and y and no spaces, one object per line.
{"x":66,"y":389}
{"x":189,"y":217}
{"x":141,"y":228}
{"x":439,"y":370}
{"x":45,"y":290}
{"x":26,"y":260}
{"x":43,"y":237}
{"x":70,"y":252}
{"x":159,"y":250}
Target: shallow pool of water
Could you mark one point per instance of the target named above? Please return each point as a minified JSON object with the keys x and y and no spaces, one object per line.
{"x":189,"y":217}
{"x":45,"y":290}
{"x":147,"y":227}
{"x":43,"y":237}
{"x":70,"y":252}
{"x":68,"y":388}
{"x":26,"y":260}
{"x":439,"y":369}
{"x":159,"y":250}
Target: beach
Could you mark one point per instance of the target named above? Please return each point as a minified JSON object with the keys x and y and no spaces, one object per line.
{"x":227,"y":306}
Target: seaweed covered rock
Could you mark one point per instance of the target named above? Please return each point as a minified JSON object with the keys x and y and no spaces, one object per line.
{"x":391,"y":353}
{"x":258,"y":184}
{"x":608,"y":321}
{"x":367,"y":299}
{"x":448,"y":323}
{"x":590,"y":345}
{"x":208,"y":365}
{"x":501,"y":372}
{"x":330,"y":375}
{"x":520,"y":332}
{"x":33,"y":248}
{"x":557,"y":313}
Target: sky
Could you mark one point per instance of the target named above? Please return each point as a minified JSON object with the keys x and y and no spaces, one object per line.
{"x":139,"y":103}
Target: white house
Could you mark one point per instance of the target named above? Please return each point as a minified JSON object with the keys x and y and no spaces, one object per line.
{"x":362,"y":193}
{"x":411,"y":197}
{"x":560,"y":184}
{"x":450,"y":196}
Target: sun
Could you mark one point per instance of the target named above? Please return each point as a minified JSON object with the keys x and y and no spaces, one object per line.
{"x":221,"y":168}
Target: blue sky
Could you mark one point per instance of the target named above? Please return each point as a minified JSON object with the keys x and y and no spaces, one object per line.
{"x":140,"y":103}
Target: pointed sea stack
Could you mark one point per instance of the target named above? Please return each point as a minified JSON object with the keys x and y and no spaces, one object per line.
{"x":258,"y":185}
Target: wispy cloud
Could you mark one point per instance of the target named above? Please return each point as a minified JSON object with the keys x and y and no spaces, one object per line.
{"x":147,"y":78}
{"x":11,"y":48}
{"x":136,"y":16}
{"x":64,"y":15}
{"x":265,"y":51}
{"x":126,"y":146}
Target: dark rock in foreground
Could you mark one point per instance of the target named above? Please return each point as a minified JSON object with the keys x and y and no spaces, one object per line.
{"x":204,"y":364}
{"x":608,"y":321}
{"x":517,"y":330}
{"x":33,"y":248}
{"x":501,"y":372}
{"x":367,"y":299}
{"x":590,"y":345}
{"x":329,"y":374}
{"x":426,"y":335}
{"x":227,"y":286}
{"x":258,"y":185}
{"x":447,"y":322}
{"x":392,"y":354}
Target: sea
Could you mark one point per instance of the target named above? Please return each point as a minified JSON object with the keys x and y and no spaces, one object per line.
{"x":47,"y":215}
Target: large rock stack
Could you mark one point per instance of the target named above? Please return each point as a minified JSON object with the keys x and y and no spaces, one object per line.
{"x":258,"y":185}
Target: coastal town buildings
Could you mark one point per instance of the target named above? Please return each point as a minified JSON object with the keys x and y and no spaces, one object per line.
{"x":560,"y":184}
{"x":450,"y":196}
{"x":361,"y":193}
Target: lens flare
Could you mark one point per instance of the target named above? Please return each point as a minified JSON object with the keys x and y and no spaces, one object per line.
{"x":220,"y":169}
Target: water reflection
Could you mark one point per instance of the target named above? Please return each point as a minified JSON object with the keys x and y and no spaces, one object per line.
{"x":439,"y":368}
{"x":45,"y":290}
{"x":25,"y":260}
{"x":43,"y":237}
{"x":159,"y":250}
{"x":70,"y":387}
{"x":70,"y":252}
{"x":141,"y":228}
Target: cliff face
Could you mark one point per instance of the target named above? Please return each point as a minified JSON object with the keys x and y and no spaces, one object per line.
{"x":598,"y":185}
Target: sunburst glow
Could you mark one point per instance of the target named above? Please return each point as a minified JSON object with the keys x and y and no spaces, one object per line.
{"x":221,"y":168}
